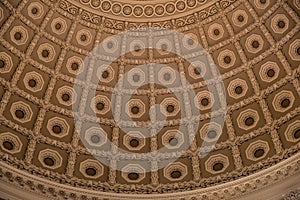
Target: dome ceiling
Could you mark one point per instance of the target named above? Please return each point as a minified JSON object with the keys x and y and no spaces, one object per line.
{"x":255,"y":45}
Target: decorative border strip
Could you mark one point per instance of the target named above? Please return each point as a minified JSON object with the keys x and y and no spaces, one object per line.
{"x":116,"y":13}
{"x":142,"y":9}
{"x":239,"y":188}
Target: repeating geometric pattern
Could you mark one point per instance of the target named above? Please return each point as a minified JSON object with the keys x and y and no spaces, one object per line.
{"x":255,"y":45}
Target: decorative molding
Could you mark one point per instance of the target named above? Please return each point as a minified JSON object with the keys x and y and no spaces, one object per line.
{"x":282,"y":172}
{"x":104,"y":26}
{"x":292,"y":195}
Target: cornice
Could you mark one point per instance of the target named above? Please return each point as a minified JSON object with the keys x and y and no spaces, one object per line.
{"x":285,"y":171}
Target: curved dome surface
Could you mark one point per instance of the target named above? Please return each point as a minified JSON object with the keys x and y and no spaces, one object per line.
{"x":45,"y":70}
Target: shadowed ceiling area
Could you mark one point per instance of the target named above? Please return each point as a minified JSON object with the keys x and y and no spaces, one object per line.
{"x":255,"y":45}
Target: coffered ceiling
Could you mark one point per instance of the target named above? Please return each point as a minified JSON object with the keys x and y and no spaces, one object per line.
{"x":255,"y":45}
